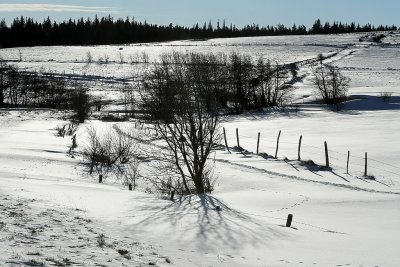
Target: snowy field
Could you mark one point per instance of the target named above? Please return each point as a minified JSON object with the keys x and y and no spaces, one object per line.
{"x":52,"y":212}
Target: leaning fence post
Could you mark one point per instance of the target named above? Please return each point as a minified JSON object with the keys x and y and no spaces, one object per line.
{"x":289,"y":220}
{"x":326,"y":155}
{"x":258,"y":142}
{"x":366,"y":164}
{"x":348,"y":159}
{"x":298,"y":152}
{"x":226,"y":142}
{"x":237,"y":137}
{"x":277,"y":144}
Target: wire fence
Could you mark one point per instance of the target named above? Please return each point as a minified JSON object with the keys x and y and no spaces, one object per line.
{"x":344,"y":162}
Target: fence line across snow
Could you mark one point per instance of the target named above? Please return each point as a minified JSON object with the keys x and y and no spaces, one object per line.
{"x":346,"y":162}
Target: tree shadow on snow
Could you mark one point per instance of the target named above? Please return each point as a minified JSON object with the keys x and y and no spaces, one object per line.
{"x":357,"y":103}
{"x":209,"y":224}
{"x":294,"y":111}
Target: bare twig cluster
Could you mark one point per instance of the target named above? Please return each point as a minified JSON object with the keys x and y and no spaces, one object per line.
{"x":109,"y":149}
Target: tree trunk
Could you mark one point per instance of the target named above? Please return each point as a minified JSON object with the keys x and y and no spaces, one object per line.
{"x":198,"y":183}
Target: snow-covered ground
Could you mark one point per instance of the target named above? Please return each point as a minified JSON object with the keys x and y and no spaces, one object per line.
{"x":72,"y":60}
{"x":53,"y":212}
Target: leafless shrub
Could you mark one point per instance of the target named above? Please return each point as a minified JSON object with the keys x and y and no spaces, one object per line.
{"x":101,"y":240}
{"x":106,"y":58}
{"x":89,"y":57}
{"x":66,"y":129}
{"x":330,"y":83}
{"x":60,"y":130}
{"x":103,"y":59}
{"x":121,"y":58}
{"x":145,"y":57}
{"x":128,"y":92}
{"x":80,"y":104}
{"x":109,"y":149}
{"x":378,"y":38}
{"x":132,"y":172}
{"x":133,"y":59}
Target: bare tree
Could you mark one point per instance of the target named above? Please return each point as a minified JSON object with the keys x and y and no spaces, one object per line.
{"x":254,"y":85}
{"x":89,"y":57}
{"x":132,"y":172}
{"x":330,"y":83}
{"x":281,"y":90}
{"x":240,"y":70}
{"x":179,"y":94}
{"x":128,"y":91}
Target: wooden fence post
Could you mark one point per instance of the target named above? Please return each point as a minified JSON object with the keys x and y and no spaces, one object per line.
{"x":237,"y":137}
{"x":226,"y":142}
{"x":289,"y":220}
{"x":277,"y":144}
{"x":326,"y":155}
{"x":298,"y":152}
{"x":100,"y":178}
{"x":366,"y":164}
{"x":130,"y":187}
{"x":348,"y":159}
{"x":258,"y":142}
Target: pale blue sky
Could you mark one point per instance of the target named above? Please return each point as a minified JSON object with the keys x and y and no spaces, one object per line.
{"x":188,"y":12}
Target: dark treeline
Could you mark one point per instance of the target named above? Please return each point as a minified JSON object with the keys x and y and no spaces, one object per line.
{"x":106,"y":30}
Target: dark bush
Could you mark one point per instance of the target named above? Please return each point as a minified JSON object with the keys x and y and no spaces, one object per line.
{"x":80,"y":104}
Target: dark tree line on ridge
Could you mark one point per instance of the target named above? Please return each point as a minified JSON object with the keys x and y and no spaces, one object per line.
{"x":99,"y":31}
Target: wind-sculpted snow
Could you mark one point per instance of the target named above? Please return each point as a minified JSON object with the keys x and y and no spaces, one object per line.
{"x":278,"y":175}
{"x":38,"y":233}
